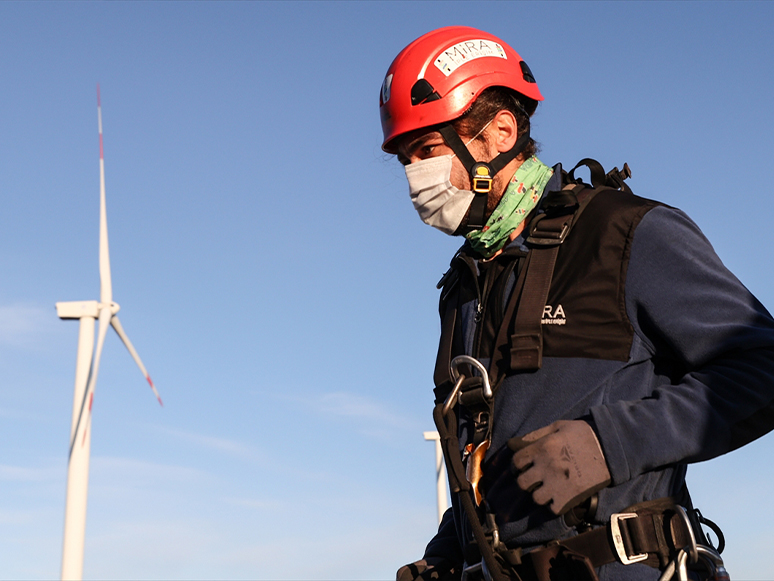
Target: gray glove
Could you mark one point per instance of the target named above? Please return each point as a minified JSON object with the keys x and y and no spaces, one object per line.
{"x":561,"y":464}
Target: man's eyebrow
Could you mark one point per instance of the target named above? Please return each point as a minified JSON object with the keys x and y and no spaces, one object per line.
{"x":412,"y":145}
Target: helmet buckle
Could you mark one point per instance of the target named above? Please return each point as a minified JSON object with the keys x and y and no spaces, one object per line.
{"x":481,"y":178}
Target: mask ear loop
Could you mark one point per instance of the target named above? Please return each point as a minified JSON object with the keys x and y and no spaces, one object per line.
{"x":460,"y":148}
{"x":472,"y":139}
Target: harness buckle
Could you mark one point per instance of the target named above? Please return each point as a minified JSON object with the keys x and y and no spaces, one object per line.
{"x":550,"y":236}
{"x":615,"y":531}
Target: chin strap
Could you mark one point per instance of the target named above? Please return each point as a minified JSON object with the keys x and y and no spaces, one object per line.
{"x":481,"y":173}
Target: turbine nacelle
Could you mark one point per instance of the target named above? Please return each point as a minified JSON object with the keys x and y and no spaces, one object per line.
{"x":79,"y":309}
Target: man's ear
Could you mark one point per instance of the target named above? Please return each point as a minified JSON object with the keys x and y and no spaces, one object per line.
{"x":505,"y":130}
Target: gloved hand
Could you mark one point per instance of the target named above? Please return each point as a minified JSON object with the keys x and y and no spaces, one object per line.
{"x":561,"y":464}
{"x":422,"y":570}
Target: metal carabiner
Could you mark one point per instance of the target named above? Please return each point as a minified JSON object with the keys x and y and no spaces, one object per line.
{"x":451,"y":399}
{"x":691,"y":551}
{"x":691,"y":547}
{"x":677,"y":565}
{"x":714,"y":563}
{"x":455,"y":363}
{"x":682,"y":565}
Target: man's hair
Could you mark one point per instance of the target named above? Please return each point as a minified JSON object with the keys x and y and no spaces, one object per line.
{"x":491,"y":101}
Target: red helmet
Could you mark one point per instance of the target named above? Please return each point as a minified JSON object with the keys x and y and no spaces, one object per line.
{"x":436,"y":78}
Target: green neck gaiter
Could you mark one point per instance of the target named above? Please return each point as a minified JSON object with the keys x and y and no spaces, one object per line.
{"x":520,"y":198}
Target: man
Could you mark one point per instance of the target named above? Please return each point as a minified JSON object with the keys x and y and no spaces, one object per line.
{"x":607,"y":346}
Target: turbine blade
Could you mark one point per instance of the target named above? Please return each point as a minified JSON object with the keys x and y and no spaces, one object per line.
{"x":121,"y":333}
{"x":106,"y":284}
{"x":84,"y":416}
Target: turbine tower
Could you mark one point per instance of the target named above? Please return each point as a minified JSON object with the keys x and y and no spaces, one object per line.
{"x":440,"y":475}
{"x":86,"y":370}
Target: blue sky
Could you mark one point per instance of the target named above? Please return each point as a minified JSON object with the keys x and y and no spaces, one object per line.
{"x":275,"y":279}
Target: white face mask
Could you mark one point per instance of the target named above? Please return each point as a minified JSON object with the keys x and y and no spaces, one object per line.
{"x":436,"y":200}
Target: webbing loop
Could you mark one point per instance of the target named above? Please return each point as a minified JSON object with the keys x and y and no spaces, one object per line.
{"x":596,"y":169}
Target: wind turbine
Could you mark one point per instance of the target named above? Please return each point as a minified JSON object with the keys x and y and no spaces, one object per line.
{"x":86,"y":370}
{"x":440,"y":475}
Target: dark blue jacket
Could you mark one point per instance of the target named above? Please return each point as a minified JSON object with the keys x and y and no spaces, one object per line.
{"x":687,"y":373}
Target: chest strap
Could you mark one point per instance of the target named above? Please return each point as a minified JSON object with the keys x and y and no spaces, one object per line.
{"x":546,"y":234}
{"x":545,"y":237}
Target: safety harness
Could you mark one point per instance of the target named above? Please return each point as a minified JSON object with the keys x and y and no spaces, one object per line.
{"x":658,"y":533}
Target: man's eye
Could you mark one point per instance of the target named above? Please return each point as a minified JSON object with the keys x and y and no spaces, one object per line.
{"x":428,"y":149}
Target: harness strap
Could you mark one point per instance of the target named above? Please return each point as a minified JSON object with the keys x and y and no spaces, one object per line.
{"x":651,"y":533}
{"x":527,"y":338}
{"x":501,"y":343}
{"x":447,"y":431}
{"x":442,"y":374}
{"x":546,"y":234}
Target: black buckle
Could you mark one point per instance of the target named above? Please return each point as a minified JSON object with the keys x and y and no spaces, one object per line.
{"x":549,"y":236}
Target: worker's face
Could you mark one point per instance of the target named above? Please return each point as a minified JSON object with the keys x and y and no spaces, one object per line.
{"x":497,"y":136}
